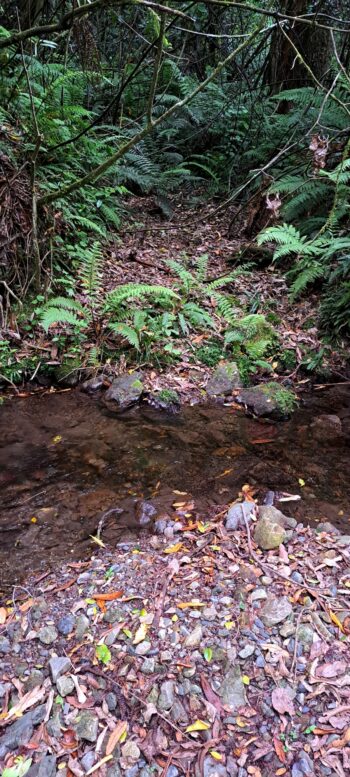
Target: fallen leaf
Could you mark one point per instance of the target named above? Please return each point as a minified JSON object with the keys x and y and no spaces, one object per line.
{"x":107,"y":597}
{"x":198,"y":725}
{"x":103,"y":653}
{"x":217,"y":756}
{"x":331,"y":669}
{"x":174,"y":548}
{"x":117,"y":733}
{"x":140,"y":634}
{"x":279,"y":750}
{"x":3,"y":615}
{"x":97,"y":540}
{"x":193,"y":603}
{"x":282,"y":701}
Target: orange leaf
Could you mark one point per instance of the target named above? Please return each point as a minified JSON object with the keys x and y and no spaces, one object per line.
{"x":279,"y":750}
{"x":120,"y":729}
{"x":3,"y":615}
{"x":335,"y":620}
{"x":107,"y":597}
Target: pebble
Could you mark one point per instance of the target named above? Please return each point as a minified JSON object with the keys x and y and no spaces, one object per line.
{"x":148,"y":666}
{"x":87,"y":726}
{"x":65,"y":685}
{"x":88,"y":760}
{"x":194,"y":638}
{"x":258,"y":594}
{"x":232,"y":689}
{"x":111,"y":701}
{"x":297,"y":577}
{"x":113,"y":614}
{"x":66,"y":624}
{"x":260,"y":662}
{"x":131,"y":751}
{"x":59,"y":665}
{"x":167,"y":695}
{"x":35,"y":679}
{"x":82,"y":625}
{"x":275,"y":610}
{"x":247,"y":651}
{"x":5,"y":645}
{"x":47,"y":635}
{"x":143,"y":648}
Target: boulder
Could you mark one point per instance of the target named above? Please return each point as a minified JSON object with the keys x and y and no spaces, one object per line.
{"x":327,"y":428}
{"x":269,"y":535}
{"x":124,"y":391}
{"x":224,"y":380}
{"x":268,"y":401}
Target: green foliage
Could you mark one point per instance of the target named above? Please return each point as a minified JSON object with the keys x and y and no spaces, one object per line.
{"x":210,"y":354}
{"x":20,"y":768}
{"x":285,"y":399}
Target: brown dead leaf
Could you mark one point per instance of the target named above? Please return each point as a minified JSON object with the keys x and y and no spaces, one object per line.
{"x":279,"y":750}
{"x":120,"y":729}
{"x":331,"y":669}
{"x":282,"y":701}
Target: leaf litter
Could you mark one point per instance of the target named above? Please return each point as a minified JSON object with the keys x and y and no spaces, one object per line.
{"x":177,"y":666}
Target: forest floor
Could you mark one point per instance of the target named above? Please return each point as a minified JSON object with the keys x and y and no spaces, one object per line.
{"x":140,"y":253}
{"x":202,"y":656}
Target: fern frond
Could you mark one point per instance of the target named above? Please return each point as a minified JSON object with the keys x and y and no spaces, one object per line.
{"x":59,"y":316}
{"x":128,"y":333}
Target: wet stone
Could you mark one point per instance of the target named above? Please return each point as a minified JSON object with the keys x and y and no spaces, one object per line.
{"x":20,"y":732}
{"x":87,"y":726}
{"x":47,"y":635}
{"x":46,"y":767}
{"x":111,"y":701}
{"x":275,"y":610}
{"x":130,"y":751}
{"x":212,"y":768}
{"x":59,"y":665}
{"x":88,"y":760}
{"x":124,"y":391}
{"x":224,"y":380}
{"x":66,"y":624}
{"x":178,"y":712}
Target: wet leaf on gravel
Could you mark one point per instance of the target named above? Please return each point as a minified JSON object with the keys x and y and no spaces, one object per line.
{"x":103,"y":653}
{"x":140,"y":634}
{"x":198,"y":725}
{"x":174,"y":548}
{"x":118,"y":735}
{"x":282,"y":701}
{"x":194,"y":603}
{"x":331,"y":669}
{"x":208,"y":654}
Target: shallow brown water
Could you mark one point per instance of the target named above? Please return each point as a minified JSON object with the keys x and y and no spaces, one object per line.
{"x":64,"y":460}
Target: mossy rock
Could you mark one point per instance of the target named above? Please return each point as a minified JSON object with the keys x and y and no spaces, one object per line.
{"x":224,"y":380}
{"x":269,"y":400}
{"x":166,"y":399}
{"x":124,"y":391}
{"x":69,"y":373}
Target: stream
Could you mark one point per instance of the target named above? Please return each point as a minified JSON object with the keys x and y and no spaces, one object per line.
{"x":64,"y":460}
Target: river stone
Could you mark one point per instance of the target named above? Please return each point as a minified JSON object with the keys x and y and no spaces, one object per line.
{"x":35,"y":679}
{"x":86,"y":726}
{"x":195,"y":637}
{"x":94,"y":384}
{"x":262,"y":402}
{"x":148,"y":666}
{"x":247,"y":651}
{"x":46,"y":767}
{"x":124,"y":391}
{"x":232,"y":689}
{"x":114,"y":770}
{"x":5,"y":645}
{"x":235,"y":518}
{"x":213,"y":769}
{"x":47,"y":635}
{"x":167,"y":695}
{"x":178,"y":712}
{"x":305,"y":634}
{"x":328,"y":527}
{"x":21,"y":731}
{"x":269,"y":535}
{"x":272,"y":514}
{"x":143,"y":648}
{"x":82,"y":625}
{"x":65,"y":685}
{"x":327,"y":428}
{"x":66,"y":624}
{"x":275,"y":610}
{"x":224,"y":380}
{"x":130,"y":751}
{"x":59,"y":665}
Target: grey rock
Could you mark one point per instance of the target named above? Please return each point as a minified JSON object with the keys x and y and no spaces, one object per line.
{"x":172,"y":772}
{"x":112,"y":635}
{"x":59,"y":665}
{"x":5,"y":645}
{"x":82,"y":625}
{"x":235,"y":516}
{"x":232,"y":689}
{"x":113,"y":614}
{"x":160,"y":526}
{"x":143,"y":648}
{"x":94,"y":384}
{"x":148,"y":666}
{"x":131,"y":751}
{"x":54,"y":724}
{"x":305,"y":634}
{"x":124,"y":391}
{"x":195,"y":637}
{"x":327,"y":428}
{"x":212,"y":768}
{"x":21,"y":731}
{"x":247,"y":651}
{"x":271,"y":513}
{"x":88,"y":760}
{"x":297,"y":578}
{"x":178,"y":713}
{"x":46,"y":767}
{"x":269,"y":535}
{"x":167,"y":695}
{"x":344,"y":539}
{"x":303,"y":766}
{"x":65,"y":685}
{"x":263,"y":401}
{"x":111,"y":701}
{"x":47,"y":635}
{"x":275,"y":610}
{"x":4,"y":687}
{"x":35,"y":679}
{"x":258,"y":594}
{"x":114,"y":770}
{"x":66,"y":624}
{"x":224,"y":380}
{"x":328,"y":527}
{"x":86,"y":726}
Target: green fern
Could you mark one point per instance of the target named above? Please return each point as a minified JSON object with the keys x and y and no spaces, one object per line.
{"x":128,"y":333}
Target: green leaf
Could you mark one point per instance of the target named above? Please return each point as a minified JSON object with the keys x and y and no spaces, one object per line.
{"x":103,"y":653}
{"x":208,"y":654}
